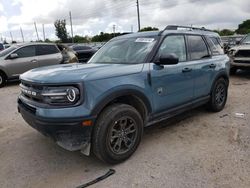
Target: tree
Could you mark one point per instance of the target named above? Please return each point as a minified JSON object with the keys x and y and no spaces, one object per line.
{"x":244,"y":27}
{"x":61,"y":31}
{"x":149,"y":29}
{"x":80,"y":39}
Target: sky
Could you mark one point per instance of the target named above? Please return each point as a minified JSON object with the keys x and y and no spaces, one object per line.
{"x":90,"y":17}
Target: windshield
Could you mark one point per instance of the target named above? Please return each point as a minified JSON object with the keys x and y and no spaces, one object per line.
{"x":246,"y":40}
{"x":124,"y":51}
{"x":7,"y":51}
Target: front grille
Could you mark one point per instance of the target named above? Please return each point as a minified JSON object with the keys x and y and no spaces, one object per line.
{"x":240,"y":61}
{"x":243,"y":53}
{"x":32,"y":91}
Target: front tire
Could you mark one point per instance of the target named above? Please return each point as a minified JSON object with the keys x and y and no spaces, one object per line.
{"x":2,"y":80}
{"x":218,"y":95}
{"x":117,"y":133}
{"x":233,"y":70}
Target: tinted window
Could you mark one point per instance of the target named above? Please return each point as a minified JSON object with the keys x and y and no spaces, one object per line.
{"x":81,"y":48}
{"x":197,"y":47}
{"x":1,"y":46}
{"x":216,"y":49}
{"x":27,"y":51}
{"x":46,"y":49}
{"x":174,"y":45}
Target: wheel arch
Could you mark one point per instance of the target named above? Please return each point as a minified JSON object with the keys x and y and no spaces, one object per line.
{"x":127,"y":96}
{"x":223,"y":75}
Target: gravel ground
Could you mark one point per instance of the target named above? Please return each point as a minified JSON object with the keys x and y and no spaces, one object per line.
{"x":197,"y":149}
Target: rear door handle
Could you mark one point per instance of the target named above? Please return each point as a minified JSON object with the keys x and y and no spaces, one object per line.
{"x":186,"y":69}
{"x":212,"y":65}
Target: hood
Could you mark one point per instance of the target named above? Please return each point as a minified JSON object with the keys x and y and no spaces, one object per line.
{"x":78,"y":72}
{"x":241,"y":47}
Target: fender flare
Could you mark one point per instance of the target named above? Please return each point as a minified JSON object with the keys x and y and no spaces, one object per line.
{"x":119,"y":93}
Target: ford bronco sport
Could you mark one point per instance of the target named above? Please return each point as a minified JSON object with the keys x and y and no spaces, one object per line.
{"x":132,"y":82}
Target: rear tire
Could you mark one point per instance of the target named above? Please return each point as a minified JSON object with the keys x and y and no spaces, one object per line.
{"x":218,"y":95}
{"x":2,"y":79}
{"x":117,"y":133}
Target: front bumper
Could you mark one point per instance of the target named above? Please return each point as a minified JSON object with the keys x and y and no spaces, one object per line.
{"x":67,"y":133}
{"x":240,"y":62}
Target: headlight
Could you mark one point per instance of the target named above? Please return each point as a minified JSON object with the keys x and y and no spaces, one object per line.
{"x":61,"y":95}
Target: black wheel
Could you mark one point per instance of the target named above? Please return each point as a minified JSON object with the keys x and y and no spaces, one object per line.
{"x":2,"y":80}
{"x":233,"y":70}
{"x":117,"y":133}
{"x":218,"y":96}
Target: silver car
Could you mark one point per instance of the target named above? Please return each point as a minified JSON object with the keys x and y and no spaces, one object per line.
{"x":20,"y":58}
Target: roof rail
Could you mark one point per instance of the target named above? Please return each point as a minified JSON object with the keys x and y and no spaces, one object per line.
{"x":175,"y":27}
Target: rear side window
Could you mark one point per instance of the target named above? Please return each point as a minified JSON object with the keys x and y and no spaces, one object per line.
{"x":174,"y":44}
{"x":46,"y":49}
{"x":197,"y":47}
{"x":216,"y":49}
{"x":27,"y":51}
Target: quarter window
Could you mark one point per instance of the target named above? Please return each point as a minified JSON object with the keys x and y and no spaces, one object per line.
{"x":27,"y":51}
{"x":174,"y":44}
{"x":46,"y":49}
{"x":197,"y":47}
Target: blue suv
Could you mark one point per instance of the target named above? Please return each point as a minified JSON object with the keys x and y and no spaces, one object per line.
{"x":132,"y":82}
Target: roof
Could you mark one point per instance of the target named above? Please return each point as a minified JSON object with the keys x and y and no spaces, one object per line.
{"x":200,"y":31}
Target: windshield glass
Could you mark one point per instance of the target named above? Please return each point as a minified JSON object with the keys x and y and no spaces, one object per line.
{"x":7,"y":51}
{"x":124,"y":51}
{"x":246,"y":40}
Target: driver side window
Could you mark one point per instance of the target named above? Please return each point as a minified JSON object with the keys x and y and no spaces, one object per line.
{"x":27,"y":51}
{"x":174,"y":44}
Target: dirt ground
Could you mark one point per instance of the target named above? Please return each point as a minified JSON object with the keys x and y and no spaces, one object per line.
{"x":197,"y":149}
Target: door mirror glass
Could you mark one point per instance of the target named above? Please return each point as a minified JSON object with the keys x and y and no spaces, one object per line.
{"x":13,"y":56}
{"x":168,"y":59}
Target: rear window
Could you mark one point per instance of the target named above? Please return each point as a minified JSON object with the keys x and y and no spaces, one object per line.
{"x":81,"y":48}
{"x":197,"y":47}
{"x":46,"y":49}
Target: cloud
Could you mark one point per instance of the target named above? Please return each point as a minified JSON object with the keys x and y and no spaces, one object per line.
{"x":92,"y":16}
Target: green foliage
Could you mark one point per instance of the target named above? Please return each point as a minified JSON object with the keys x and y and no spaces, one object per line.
{"x":224,"y":32}
{"x":244,"y":27}
{"x":103,"y":37}
{"x":47,"y":40}
{"x":149,"y":29}
{"x":80,"y":39}
{"x":61,"y":31}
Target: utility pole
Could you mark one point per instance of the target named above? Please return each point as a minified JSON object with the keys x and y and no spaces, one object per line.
{"x":11,"y":37}
{"x":36,"y":31}
{"x":70,"y":18}
{"x":114,"y":30}
{"x":43,"y":34}
{"x":21,"y":33}
{"x":1,"y":36}
{"x":138,"y":15}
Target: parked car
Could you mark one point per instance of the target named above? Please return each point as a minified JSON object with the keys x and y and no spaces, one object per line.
{"x":240,"y":55}
{"x":132,"y":82}
{"x":69,"y":56}
{"x":231,"y":41}
{"x":20,"y":58}
{"x":1,"y":46}
{"x":6,"y":46}
{"x":83,"y":53}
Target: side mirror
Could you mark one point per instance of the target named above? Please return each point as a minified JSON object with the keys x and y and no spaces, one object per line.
{"x":168,"y":59}
{"x":13,"y":56}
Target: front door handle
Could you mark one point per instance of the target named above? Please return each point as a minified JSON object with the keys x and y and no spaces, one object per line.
{"x":186,"y":69}
{"x":212,"y":66}
{"x":33,"y":61}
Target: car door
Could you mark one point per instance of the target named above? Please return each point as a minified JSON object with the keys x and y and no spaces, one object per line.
{"x":48,"y":55}
{"x":25,"y":60}
{"x":172,"y":85}
{"x":205,"y":65}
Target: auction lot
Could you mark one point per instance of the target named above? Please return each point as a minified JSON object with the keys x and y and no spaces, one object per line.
{"x":197,"y":149}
